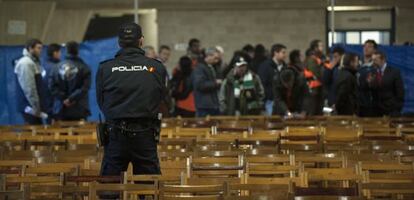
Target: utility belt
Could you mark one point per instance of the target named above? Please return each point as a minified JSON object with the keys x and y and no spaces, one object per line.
{"x":129,"y":127}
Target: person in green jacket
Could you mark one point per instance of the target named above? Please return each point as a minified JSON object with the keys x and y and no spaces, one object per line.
{"x":242,"y":92}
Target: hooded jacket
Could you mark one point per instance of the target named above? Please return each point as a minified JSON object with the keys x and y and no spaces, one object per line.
{"x":29,"y":83}
{"x":71,"y":79}
{"x":250,"y":94}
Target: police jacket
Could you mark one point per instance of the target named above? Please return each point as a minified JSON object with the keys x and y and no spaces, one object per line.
{"x":130,"y":85}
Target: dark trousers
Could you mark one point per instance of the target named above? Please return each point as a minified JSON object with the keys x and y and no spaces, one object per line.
{"x":369,"y":111}
{"x":139,"y":148}
{"x":183,"y":113}
{"x":124,"y":147}
{"x":315,"y":102}
{"x":203,"y":112}
{"x":32,"y":120}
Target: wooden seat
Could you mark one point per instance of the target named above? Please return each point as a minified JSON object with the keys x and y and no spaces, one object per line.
{"x":197,"y":192}
{"x":387,"y":178}
{"x":138,"y":189}
{"x":341,"y":134}
{"x":216,"y":164}
{"x":257,"y":191}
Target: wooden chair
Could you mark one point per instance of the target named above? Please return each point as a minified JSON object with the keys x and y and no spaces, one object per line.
{"x":301,"y":139}
{"x":271,"y":166}
{"x":175,"y":167}
{"x":257,"y":191}
{"x":196,"y":192}
{"x":216,"y":164}
{"x":138,"y":189}
{"x":216,"y":143}
{"x":341,"y":134}
{"x":193,"y":133}
{"x":176,"y":143}
{"x":391,"y":179}
{"x":303,"y":135}
{"x":259,"y":139}
{"x":21,"y":194}
{"x":321,"y":160}
{"x":343,"y":182}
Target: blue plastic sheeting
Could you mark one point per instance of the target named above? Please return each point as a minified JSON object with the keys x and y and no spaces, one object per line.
{"x":401,"y":57}
{"x":92,"y":52}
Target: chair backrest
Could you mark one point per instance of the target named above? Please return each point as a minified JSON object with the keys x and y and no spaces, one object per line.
{"x":180,"y":192}
{"x":138,"y":189}
{"x":258,"y":191}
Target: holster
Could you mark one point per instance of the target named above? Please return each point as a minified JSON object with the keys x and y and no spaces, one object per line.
{"x":102,"y":134}
{"x":157,"y":130}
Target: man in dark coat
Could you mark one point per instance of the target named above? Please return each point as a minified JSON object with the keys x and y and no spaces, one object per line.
{"x":69,"y":85}
{"x":52,"y":62}
{"x":330,"y":74}
{"x":389,"y":86}
{"x":206,"y":85}
{"x":367,"y":100}
{"x":289,"y":91}
{"x":270,"y":69}
{"x":346,"y":86}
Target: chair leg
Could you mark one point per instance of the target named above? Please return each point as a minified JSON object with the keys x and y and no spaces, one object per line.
{"x":92,"y":191}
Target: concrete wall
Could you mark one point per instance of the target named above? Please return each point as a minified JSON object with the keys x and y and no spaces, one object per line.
{"x":66,"y":24}
{"x":234,"y":28}
{"x":35,"y":15}
{"x":229,"y":23}
{"x":404,"y":25}
{"x":148,"y":21}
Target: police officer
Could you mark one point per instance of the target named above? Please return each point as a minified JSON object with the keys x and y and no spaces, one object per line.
{"x":129,"y":89}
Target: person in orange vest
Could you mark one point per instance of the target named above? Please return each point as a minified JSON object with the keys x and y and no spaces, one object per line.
{"x":313,"y":71}
{"x":182,"y":88}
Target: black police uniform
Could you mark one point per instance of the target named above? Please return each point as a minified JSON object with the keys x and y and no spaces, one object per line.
{"x":129,"y":90}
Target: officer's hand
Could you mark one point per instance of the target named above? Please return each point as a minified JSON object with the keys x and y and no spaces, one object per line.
{"x":219,"y":81}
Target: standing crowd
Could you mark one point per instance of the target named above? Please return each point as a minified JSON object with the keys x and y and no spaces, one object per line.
{"x":55,"y":89}
{"x":255,"y":81}
{"x":287,"y":84}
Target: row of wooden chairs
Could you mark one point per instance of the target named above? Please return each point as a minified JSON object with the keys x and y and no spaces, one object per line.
{"x":359,"y":158}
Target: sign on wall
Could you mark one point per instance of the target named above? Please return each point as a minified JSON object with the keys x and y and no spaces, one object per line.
{"x":363,"y":20}
{"x":16,"y":27}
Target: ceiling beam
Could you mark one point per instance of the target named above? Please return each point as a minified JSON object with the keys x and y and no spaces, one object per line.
{"x":219,"y":4}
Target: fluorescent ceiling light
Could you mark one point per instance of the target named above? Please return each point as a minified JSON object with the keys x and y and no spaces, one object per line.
{"x":356,"y":8}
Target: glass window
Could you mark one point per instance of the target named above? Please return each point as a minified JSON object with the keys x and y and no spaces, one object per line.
{"x":385,"y":38}
{"x":371,"y":35}
{"x":353,"y":38}
{"x":339,"y":38}
{"x":359,"y":37}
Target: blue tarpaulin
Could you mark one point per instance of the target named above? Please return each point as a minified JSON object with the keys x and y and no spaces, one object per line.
{"x":401,"y":57}
{"x":93,"y":52}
